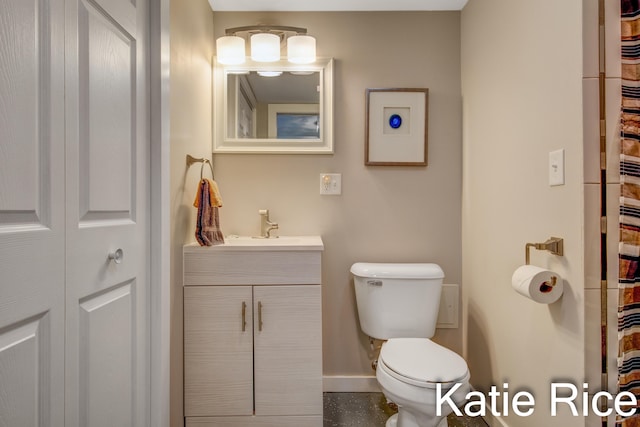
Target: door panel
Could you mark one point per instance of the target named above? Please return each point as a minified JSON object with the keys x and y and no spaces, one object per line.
{"x":106,"y":341}
{"x":107,"y":149}
{"x":24,"y":89}
{"x":24,"y":365}
{"x":31,"y":213}
{"x":107,"y":73}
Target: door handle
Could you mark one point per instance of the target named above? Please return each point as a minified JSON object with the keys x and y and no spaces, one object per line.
{"x":117,"y":256}
{"x":259,"y":316}
{"x":244,"y":316}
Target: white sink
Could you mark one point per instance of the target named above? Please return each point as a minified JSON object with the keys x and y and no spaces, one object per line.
{"x":282,"y":243}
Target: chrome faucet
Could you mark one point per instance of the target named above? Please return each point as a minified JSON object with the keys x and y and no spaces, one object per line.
{"x":265,"y":225}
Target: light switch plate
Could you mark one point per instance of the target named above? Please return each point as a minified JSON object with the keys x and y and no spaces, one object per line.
{"x":330,"y":184}
{"x":556,"y":167}
{"x":448,"y":312}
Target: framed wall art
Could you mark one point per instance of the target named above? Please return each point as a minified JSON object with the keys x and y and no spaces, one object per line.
{"x":396,"y":127}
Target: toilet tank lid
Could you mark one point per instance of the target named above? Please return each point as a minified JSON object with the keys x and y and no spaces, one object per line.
{"x":397,"y":270}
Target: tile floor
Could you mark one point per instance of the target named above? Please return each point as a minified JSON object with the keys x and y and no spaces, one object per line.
{"x":371,"y":410}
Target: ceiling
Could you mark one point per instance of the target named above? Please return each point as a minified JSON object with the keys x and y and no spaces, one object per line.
{"x":333,"y":5}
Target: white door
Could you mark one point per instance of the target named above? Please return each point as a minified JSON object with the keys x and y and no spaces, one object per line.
{"x":74,"y":331}
{"x":107,"y":192}
{"x":31,"y":213}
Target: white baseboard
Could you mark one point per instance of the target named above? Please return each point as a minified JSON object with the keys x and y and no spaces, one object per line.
{"x":350,"y":384}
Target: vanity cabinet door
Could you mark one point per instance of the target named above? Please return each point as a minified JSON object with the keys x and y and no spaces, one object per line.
{"x":218,"y":353}
{"x":288,"y":350}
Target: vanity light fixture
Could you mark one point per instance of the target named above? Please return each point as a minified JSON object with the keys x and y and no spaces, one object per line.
{"x":265,"y":42}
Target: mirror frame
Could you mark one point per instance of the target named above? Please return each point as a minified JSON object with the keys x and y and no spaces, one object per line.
{"x":224,"y":144}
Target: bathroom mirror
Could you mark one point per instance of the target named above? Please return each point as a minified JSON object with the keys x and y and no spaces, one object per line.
{"x":275,"y":107}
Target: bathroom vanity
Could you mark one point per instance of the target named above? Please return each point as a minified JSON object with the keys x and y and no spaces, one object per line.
{"x":253,"y":333}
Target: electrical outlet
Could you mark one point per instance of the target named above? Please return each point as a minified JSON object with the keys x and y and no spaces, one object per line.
{"x":330,"y":184}
{"x":556,"y":167}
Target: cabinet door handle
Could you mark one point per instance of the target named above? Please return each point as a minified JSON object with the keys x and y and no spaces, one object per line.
{"x":244,"y":316}
{"x":259,"y":316}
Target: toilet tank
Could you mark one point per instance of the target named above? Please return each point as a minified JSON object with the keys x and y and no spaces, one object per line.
{"x":397,"y":300}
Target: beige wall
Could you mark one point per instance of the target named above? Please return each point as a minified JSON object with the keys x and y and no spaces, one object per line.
{"x":384,"y":213}
{"x":522,"y":90}
{"x":191,"y":52}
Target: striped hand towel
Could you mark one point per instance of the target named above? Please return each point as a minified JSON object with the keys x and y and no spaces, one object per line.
{"x":208,"y":232}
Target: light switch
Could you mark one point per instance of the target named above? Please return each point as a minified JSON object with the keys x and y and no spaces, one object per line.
{"x":331,"y":184}
{"x":556,"y":167}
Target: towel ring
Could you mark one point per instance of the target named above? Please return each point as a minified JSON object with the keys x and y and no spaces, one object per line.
{"x":191,"y":160}
{"x":202,"y":168}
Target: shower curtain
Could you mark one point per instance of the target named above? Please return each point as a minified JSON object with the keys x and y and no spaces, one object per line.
{"x":629,"y":253}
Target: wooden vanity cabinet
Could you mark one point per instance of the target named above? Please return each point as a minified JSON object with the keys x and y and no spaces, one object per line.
{"x":252,"y":352}
{"x":218,"y":354}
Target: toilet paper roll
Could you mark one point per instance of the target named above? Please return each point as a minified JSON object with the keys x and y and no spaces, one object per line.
{"x":538,"y":284}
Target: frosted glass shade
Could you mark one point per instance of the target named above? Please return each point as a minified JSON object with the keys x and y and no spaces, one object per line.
{"x":230,"y":50}
{"x":301,"y":49}
{"x":265,"y":47}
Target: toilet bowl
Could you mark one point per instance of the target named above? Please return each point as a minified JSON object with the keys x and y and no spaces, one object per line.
{"x":399,"y":303}
{"x":409,"y":371}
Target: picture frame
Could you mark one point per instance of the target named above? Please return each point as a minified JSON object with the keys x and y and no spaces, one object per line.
{"x":396,"y":127}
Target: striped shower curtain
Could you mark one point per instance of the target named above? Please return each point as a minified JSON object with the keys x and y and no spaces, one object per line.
{"x":629,"y":253}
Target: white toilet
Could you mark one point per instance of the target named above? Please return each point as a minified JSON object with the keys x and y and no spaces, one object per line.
{"x":399,"y":303}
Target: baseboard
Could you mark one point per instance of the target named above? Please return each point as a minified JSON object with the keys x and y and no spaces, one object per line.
{"x":350,"y":384}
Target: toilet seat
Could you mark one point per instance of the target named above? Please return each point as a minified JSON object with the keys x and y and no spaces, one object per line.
{"x":422,"y":362}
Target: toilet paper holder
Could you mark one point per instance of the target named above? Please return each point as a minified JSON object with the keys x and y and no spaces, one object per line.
{"x":555,"y":245}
